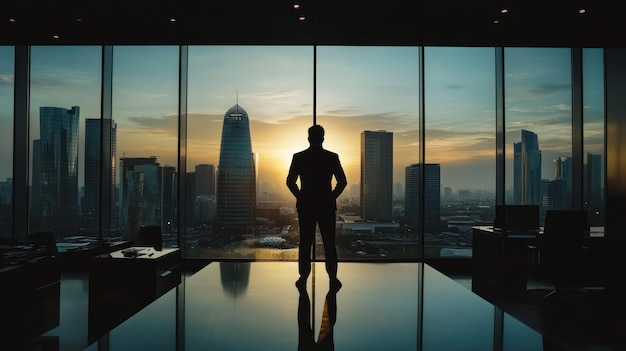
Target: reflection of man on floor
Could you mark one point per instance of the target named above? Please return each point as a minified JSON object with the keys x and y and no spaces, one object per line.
{"x":316,"y":201}
{"x":325,"y":340}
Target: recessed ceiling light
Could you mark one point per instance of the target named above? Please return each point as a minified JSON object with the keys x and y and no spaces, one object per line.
{"x":581,"y":11}
{"x":55,"y":36}
{"x":296,"y":6}
{"x":496,"y":21}
{"x":79,"y":20}
{"x":12,"y":20}
{"x":172,"y":20}
{"x":301,"y":18}
{"x":504,"y":11}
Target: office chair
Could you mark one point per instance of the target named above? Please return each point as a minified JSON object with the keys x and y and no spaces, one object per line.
{"x":562,"y":254}
{"x":150,"y":235}
{"x":46,"y":238}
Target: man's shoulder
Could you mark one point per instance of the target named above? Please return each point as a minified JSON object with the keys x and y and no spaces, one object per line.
{"x":310,"y":152}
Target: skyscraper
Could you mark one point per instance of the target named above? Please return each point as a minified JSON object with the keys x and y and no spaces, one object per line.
{"x":376,"y":175}
{"x":205,"y":179}
{"x":527,"y":170}
{"x":93,"y":154}
{"x":236,"y":178}
{"x":560,"y":189}
{"x":140,"y":194}
{"x":58,"y":129}
{"x":432,"y":196}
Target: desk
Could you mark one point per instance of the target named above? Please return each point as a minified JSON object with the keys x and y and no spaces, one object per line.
{"x":500,"y":261}
{"x":75,"y":256}
{"x":29,"y":296}
{"x":120,"y":286}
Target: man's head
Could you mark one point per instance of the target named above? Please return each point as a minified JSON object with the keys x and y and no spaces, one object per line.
{"x":316,"y":135}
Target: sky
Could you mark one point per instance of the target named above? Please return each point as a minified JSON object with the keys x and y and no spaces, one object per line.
{"x":358,"y":88}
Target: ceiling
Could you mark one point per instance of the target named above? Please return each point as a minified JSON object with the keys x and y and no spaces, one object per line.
{"x":557,"y":23}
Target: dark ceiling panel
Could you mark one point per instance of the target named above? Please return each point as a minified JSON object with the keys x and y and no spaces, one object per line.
{"x":330,"y":22}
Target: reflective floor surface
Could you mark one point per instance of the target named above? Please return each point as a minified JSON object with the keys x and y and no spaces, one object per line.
{"x":256,"y":306}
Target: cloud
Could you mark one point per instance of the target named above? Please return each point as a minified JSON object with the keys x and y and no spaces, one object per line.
{"x":7,"y":79}
{"x":545,"y":89}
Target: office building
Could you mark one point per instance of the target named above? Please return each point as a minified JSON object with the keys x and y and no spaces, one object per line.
{"x":55,"y":171}
{"x":205,"y":179}
{"x":376,"y":175}
{"x":432,"y":196}
{"x":140,"y":194}
{"x":527,"y":170}
{"x":93,"y":150}
{"x":236,"y":179}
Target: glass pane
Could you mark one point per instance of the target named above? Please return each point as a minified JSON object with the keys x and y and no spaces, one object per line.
{"x":368,"y":99}
{"x":65,"y":92}
{"x":248,"y":110}
{"x":460,"y":169}
{"x":593,"y":128}
{"x":7,"y":57}
{"x":538,"y":127}
{"x":145,"y":110}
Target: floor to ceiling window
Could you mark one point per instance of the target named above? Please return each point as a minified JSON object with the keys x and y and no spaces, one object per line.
{"x":249,"y":108}
{"x":6,"y":139}
{"x":366,"y":97}
{"x":538,"y":126}
{"x":145,"y":119}
{"x":594,"y":158}
{"x":368,"y":101}
{"x":64,"y":97}
{"x":460,"y":145}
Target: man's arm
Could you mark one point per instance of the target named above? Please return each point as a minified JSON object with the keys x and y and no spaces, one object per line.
{"x":340,"y":176}
{"x":292,"y":177}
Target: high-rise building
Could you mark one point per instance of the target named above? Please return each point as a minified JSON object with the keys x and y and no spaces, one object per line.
{"x":6,"y":191}
{"x":205,"y":179}
{"x":140,"y":194}
{"x":527,"y":170}
{"x":236,"y":177}
{"x":94,"y":144}
{"x":432,"y":196}
{"x":376,"y":176}
{"x":169,"y":193}
{"x":58,"y":129}
{"x":54,"y":182}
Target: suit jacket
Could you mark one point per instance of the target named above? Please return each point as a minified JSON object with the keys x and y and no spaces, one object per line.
{"x":316,"y":168}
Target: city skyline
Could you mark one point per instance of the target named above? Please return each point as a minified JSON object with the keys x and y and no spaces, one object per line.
{"x":374,"y":89}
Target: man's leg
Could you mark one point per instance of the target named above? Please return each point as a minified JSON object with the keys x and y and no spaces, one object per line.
{"x":307,"y":235}
{"x":327,"y":229}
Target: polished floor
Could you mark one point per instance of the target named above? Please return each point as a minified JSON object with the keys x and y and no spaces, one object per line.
{"x":255,"y":306}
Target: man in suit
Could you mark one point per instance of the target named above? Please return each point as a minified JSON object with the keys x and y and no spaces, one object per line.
{"x":316,"y":202}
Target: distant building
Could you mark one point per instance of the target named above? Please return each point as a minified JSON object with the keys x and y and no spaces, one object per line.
{"x":6,"y":191}
{"x":205,"y":179}
{"x":236,"y":176}
{"x":93,"y":154}
{"x":140,"y":194}
{"x":376,"y":176}
{"x":58,"y":130}
{"x":527,"y":170}
{"x":432,"y":196}
{"x":55,"y":197}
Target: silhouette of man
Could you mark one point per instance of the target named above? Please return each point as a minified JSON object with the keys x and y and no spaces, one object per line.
{"x":316,"y":201}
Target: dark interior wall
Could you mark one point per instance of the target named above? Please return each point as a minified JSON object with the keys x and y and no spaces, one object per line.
{"x":615,"y":90}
